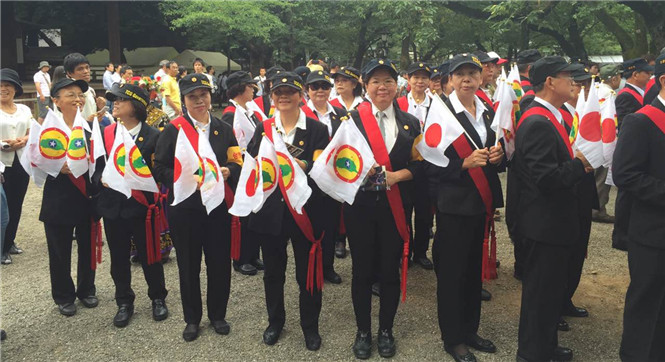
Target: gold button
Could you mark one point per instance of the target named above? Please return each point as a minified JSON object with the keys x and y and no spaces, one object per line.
{"x":301,"y":143}
{"x":406,"y":127}
{"x":320,"y":72}
{"x":381,"y":61}
{"x":420,"y":65}
{"x":140,"y":139}
{"x":216,"y":132}
{"x":283,"y":80}
{"x":193,"y":79}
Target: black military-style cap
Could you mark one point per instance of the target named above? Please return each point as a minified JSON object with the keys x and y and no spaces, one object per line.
{"x":484,"y":57}
{"x":637,"y":65}
{"x":274,"y":71}
{"x":10,"y":75}
{"x":548,"y":66}
{"x":444,"y":68}
{"x":435,"y":73}
{"x":416,"y":66}
{"x":528,"y":56}
{"x":348,"y":72}
{"x":375,"y":64}
{"x":318,"y":76}
{"x":580,"y":72}
{"x":66,"y":82}
{"x":192,"y":82}
{"x":302,"y":71}
{"x":287,"y":79}
{"x":239,"y":77}
{"x":660,"y":66}
{"x":128,"y":91}
{"x":462,"y":59}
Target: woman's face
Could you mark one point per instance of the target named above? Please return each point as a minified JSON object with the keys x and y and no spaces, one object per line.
{"x":198,"y":101}
{"x":319,"y":92}
{"x":122,"y":108}
{"x":70,"y":98}
{"x":344,"y":86}
{"x":466,"y":80}
{"x":286,"y":98}
{"x":7,"y":91}
{"x":248,"y":94}
{"x":419,"y":81}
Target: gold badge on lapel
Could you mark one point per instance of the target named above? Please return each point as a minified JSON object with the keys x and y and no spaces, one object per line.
{"x":216,"y":132}
{"x":301,"y":143}
{"x":406,"y":127}
{"x":140,"y":139}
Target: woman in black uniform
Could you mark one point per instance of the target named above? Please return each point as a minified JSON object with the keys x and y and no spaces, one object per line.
{"x":193,"y":230}
{"x":275,"y":224}
{"x":125,"y":219}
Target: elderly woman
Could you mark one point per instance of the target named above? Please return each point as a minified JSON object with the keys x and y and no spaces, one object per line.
{"x":14,"y":128}
{"x":348,"y":87}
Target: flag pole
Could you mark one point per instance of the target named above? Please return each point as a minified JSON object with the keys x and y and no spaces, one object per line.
{"x":465,"y":132}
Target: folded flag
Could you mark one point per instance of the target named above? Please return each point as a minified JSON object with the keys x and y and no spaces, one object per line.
{"x":185,"y":164}
{"x":515,"y":82}
{"x":579,"y":111}
{"x":441,"y":130}
{"x":114,"y":172}
{"x":294,"y":178}
{"x":589,"y":138}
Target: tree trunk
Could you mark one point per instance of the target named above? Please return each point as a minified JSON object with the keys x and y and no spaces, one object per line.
{"x":362,"y":40}
{"x":113,"y":23}
{"x":405,"y":59}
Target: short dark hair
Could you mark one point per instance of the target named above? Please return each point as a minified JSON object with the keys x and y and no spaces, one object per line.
{"x":198,"y":60}
{"x":107,"y":64}
{"x":358,"y":90}
{"x":522,"y":67}
{"x":124,"y":69}
{"x":538,"y":87}
{"x":208,"y":68}
{"x":170,"y":63}
{"x":236,"y":90}
{"x":72,"y":60}
{"x":444,"y":80}
{"x":140,"y":111}
{"x":649,"y":57}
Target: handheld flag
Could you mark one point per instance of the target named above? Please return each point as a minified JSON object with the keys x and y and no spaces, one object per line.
{"x":186,"y":163}
{"x":515,"y":82}
{"x":114,"y":172}
{"x":30,"y":153}
{"x":505,"y":117}
{"x":269,"y":167}
{"x":52,"y":146}
{"x":96,"y":147}
{"x":579,"y":111}
{"x":212,"y":182}
{"x":249,"y":193}
{"x":242,"y":128}
{"x":294,"y":178}
{"x":342,"y":166}
{"x":137,"y":173}
{"x":441,"y":130}
{"x":609,"y":128}
{"x":589,"y":138}
{"x":77,"y":155}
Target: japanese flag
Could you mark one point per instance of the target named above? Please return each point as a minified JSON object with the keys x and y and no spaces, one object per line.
{"x":114,"y":171}
{"x":249,"y":193}
{"x":441,"y":130}
{"x":31,"y":151}
{"x":243,"y":128}
{"x":589,"y":138}
{"x":185,"y":165}
{"x":608,"y":115}
{"x":96,"y":147}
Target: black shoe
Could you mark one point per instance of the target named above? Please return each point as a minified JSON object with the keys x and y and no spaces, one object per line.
{"x":125,"y":312}
{"x":246,"y":269}
{"x":603,"y":218}
{"x":271,"y":335}
{"x":15,"y":250}
{"x":376,"y":289}
{"x":573,"y":311}
{"x":517,"y":275}
{"x":159,"y":310}
{"x":386,"y":343}
{"x":485,"y":295}
{"x":481,"y":344}
{"x":165,"y":259}
{"x":332,"y":277}
{"x":468,"y":357}
{"x":563,"y":325}
{"x":134,"y":259}
{"x":191,"y":332}
{"x":258,"y":264}
{"x":90,"y":301}
{"x":67,"y":309}
{"x":362,"y":347}
{"x":312,"y":341}
{"x":498,"y":263}
{"x":3,"y":335}
{"x":562,"y":354}
{"x":6,"y":259}
{"x":424,"y":262}
{"x":340,"y":250}
{"x":221,"y":327}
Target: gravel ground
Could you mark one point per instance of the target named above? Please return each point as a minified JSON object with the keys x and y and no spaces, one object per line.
{"x":38,"y":332}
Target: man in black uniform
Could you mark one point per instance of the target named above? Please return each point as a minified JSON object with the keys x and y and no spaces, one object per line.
{"x":525,"y":59}
{"x":638,"y":170}
{"x":547,"y":172}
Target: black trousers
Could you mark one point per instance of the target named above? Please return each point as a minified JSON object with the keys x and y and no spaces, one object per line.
{"x":194,"y":233}
{"x":16,"y":185}
{"x":376,"y":246}
{"x":543,"y":288}
{"x":423,"y":220}
{"x":644,"y":314}
{"x":518,"y":252}
{"x":457,"y":252}
{"x":249,"y":250}
{"x":274,"y":275}
{"x":59,"y":241}
{"x":577,"y":258}
{"x":119,"y":233}
{"x":330,"y":212}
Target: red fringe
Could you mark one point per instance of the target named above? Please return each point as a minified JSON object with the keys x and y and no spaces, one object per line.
{"x":405,"y":268}
{"x":235,"y":238}
{"x":95,"y":244}
{"x":315,"y":267}
{"x":489,"y":249}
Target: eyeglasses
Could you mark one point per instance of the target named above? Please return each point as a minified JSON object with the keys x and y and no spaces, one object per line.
{"x":386,"y":82}
{"x":568,"y":78}
{"x":73,"y":95}
{"x":285,"y":91}
{"x":320,"y":85}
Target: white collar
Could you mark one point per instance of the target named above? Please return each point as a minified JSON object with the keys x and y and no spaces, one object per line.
{"x":330,"y":109}
{"x":302,"y":121}
{"x":639,"y":90}
{"x":662,"y":101}
{"x":551,"y":108}
{"x":459,"y":108}
{"x":424,"y":103}
{"x":237,"y":105}
{"x":135,"y":131}
{"x":389,"y":112}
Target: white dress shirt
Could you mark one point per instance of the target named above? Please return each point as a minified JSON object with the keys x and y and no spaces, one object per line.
{"x":288,"y":137}
{"x":204,"y":127}
{"x":13,"y":126}
{"x":419,"y":110}
{"x":135,"y":131}
{"x":356,"y":102}
{"x":325,"y":117}
{"x":551,"y":108}
{"x":476,"y":120}
{"x":639,"y":90}
{"x":390,"y":125}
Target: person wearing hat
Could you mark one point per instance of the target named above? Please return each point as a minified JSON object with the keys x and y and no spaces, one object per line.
{"x":631,"y":98}
{"x":319,"y":87}
{"x":489,"y":68}
{"x":376,"y":225}
{"x":525,"y":59}
{"x":194,"y":231}
{"x":637,"y":170}
{"x":264,"y":102}
{"x":15,"y":121}
{"x":125,"y":219}
{"x":446,"y":86}
{"x":417,"y":103}
{"x":435,"y":82}
{"x":75,"y":195}
{"x":465,"y":204}
{"x":651,"y":91}
{"x":348,"y":87}
{"x":42,"y":81}
{"x":610,"y":75}
{"x":546,"y":174}
{"x":277,"y":221}
{"x":241,"y":88}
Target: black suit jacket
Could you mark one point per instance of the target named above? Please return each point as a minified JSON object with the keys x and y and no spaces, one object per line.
{"x":313,"y":140}
{"x":112,"y":204}
{"x":402,"y":155}
{"x":651,"y":94}
{"x":456,"y":192}
{"x":222,"y":142}
{"x":626,"y":104}
{"x":547,"y":200}
{"x":227,"y":117}
{"x":638,"y":170}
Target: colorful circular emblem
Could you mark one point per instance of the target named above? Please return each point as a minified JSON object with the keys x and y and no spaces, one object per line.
{"x":76,"y":149}
{"x":138,"y":164}
{"x":269,"y":173}
{"x":211,"y":170}
{"x":119,"y":160}
{"x":286,"y":169}
{"x":348,"y":164}
{"x":252,"y":182}
{"x":53,"y":143}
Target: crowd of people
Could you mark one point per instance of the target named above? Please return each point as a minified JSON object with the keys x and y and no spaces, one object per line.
{"x":553,"y":192}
